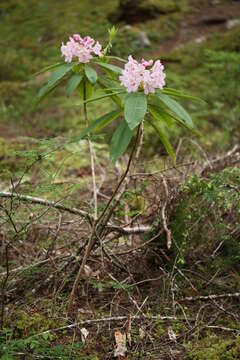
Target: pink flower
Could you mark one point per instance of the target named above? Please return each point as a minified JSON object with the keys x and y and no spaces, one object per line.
{"x":81,"y":48}
{"x":146,"y":63}
{"x":135,"y":76}
{"x":97,"y":49}
{"x":77,"y":38}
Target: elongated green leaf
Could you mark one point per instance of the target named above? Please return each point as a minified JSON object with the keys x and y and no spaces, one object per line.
{"x":135,"y":108}
{"x":176,"y":108}
{"x":116,"y":58}
{"x":73,"y":83}
{"x":176,"y":93}
{"x":54,"y":80}
{"x":60,"y":73}
{"x":49,"y":67}
{"x":113,"y":68}
{"x":120,"y":141}
{"x":160,"y":114}
{"x":98,"y":124}
{"x":91,"y":74}
{"x":104,"y":96}
{"x":89,"y":88}
{"x":158,"y":128}
{"x":105,"y":83}
{"x":44,"y":91}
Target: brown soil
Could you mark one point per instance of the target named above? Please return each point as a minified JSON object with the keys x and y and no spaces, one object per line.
{"x":202,"y":22}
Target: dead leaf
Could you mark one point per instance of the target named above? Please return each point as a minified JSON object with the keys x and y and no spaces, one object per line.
{"x":121,"y":348}
{"x":171,"y":334}
{"x":84,"y":335}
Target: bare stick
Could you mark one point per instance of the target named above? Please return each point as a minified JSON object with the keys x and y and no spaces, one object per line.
{"x":24,"y":268}
{"x":222,"y":160}
{"x":91,"y":154}
{"x":222,"y":328}
{"x":164,"y":220}
{"x":4,"y":285}
{"x":113,"y":318}
{"x":138,"y":229}
{"x":212,"y":297}
{"x":36,"y":200}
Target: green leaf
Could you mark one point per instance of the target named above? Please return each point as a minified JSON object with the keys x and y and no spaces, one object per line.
{"x":135,"y":108}
{"x":176,"y":108}
{"x":47,"y":68}
{"x":105,"y":83}
{"x":60,"y":73}
{"x":89,"y":89}
{"x":116,"y":58}
{"x":120,"y":141}
{"x":160,"y":114}
{"x":45,"y":335}
{"x":73,"y":83}
{"x":98,"y":124}
{"x":45,"y":90}
{"x":54,"y":80}
{"x":91,"y":74}
{"x":113,"y":68}
{"x":104,"y":96}
{"x":177,"y":93}
{"x":158,"y":128}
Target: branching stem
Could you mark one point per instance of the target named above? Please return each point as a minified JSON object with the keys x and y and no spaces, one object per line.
{"x":96,"y":223}
{"x":91,"y":154}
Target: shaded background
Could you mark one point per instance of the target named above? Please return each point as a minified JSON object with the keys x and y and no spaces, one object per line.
{"x":198,"y":41}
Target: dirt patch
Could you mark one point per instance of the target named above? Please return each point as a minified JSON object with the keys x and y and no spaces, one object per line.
{"x":203,"y":21}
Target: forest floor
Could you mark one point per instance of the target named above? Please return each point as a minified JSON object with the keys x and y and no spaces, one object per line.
{"x":181,"y":303}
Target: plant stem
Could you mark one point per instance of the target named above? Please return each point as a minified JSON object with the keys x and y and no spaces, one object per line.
{"x":120,"y":182}
{"x":97,"y":222}
{"x":4,"y":285}
{"x":91,"y":153}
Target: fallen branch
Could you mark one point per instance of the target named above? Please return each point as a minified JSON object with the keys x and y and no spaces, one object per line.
{"x":163,"y":214}
{"x":35,"y":200}
{"x":24,"y":268}
{"x":113,"y":318}
{"x":231,"y":157}
{"x":54,"y":204}
{"x":212,"y":297}
{"x":222,"y":328}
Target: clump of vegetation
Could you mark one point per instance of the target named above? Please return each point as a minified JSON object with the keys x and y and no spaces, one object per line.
{"x":206,"y":220}
{"x":211,"y":348}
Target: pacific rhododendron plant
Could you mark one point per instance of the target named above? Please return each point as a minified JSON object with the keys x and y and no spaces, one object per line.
{"x":139,"y":98}
{"x":137,"y":89}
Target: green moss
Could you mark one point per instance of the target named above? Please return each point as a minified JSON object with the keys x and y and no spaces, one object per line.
{"x":213,"y":348}
{"x":162,"y":6}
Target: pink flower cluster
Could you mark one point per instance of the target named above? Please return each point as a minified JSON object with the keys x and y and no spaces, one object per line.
{"x":136,"y":76}
{"x":81,"y":48}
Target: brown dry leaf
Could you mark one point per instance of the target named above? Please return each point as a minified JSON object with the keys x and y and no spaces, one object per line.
{"x":84,"y":335}
{"x":121,"y":348}
{"x":171,"y":334}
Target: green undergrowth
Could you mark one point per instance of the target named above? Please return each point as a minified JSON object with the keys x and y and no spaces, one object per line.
{"x":213,"y":348}
{"x":205,"y":222}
